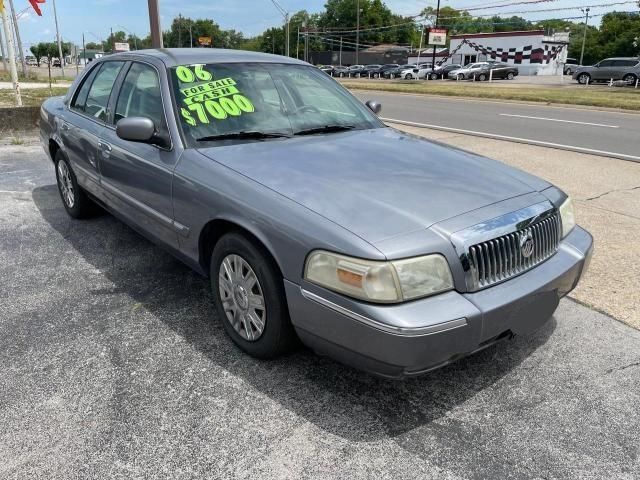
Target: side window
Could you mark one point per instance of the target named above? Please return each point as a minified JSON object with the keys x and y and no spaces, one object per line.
{"x":80,"y":100}
{"x":627,"y":63}
{"x":140,"y":95}
{"x":98,"y":97}
{"x":606,"y":63}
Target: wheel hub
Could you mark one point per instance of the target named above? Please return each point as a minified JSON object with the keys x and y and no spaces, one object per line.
{"x":242,"y":297}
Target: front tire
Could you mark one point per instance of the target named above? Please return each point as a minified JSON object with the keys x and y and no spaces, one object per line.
{"x":629,"y":78}
{"x":75,"y":200}
{"x":584,"y":78}
{"x":408,"y":76}
{"x":510,"y":76}
{"x":482,"y":77}
{"x":249,"y":295}
{"x":433,"y":76}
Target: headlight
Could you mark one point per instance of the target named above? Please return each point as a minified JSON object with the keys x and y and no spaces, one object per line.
{"x":381,"y":282}
{"x":567,"y":216}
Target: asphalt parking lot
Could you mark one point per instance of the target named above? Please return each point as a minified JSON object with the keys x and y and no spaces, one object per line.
{"x":114,"y":366}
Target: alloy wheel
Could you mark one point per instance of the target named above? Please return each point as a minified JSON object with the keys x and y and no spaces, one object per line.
{"x":65,"y":184}
{"x":242,"y":297}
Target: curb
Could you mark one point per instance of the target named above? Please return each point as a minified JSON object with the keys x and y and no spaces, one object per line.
{"x":19,"y":118}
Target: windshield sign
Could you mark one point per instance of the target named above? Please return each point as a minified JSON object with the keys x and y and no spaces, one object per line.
{"x":247,"y":102}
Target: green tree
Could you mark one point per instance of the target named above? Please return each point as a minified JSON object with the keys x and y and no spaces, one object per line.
{"x":39,"y":51}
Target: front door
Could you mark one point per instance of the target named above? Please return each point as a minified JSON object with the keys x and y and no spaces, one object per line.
{"x":137,"y":177}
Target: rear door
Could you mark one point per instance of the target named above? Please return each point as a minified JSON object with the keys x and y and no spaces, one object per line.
{"x":82,"y":124}
{"x":136,"y":176}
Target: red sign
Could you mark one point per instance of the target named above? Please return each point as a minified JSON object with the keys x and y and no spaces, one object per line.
{"x":36,"y":7}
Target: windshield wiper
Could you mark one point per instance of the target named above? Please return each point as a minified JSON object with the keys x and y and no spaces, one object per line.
{"x":325,"y":129}
{"x":250,"y":134}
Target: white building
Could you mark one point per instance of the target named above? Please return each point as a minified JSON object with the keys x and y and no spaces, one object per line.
{"x":532,"y":52}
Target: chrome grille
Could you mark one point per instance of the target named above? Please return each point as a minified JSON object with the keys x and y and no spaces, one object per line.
{"x":498,"y":259}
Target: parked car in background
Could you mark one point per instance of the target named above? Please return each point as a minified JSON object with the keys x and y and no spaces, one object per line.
{"x":439,"y":72}
{"x":623,"y":68}
{"x":397,"y":257}
{"x":379,"y":72}
{"x":570,"y":66}
{"x":395,"y":72}
{"x":468,"y":72}
{"x":339,"y":71}
{"x":56,"y":63}
{"x":497,"y":71}
{"x":353,"y":68}
{"x":412,"y":72}
{"x":366,"y":71}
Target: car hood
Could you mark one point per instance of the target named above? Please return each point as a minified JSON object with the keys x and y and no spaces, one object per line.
{"x":377,"y":183}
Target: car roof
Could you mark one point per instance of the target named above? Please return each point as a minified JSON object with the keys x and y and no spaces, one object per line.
{"x":635,"y":59}
{"x":185,"y":56}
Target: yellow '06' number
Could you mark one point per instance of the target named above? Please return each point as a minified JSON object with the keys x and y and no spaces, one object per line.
{"x":186,"y":75}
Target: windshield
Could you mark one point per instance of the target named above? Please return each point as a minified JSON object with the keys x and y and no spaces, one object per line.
{"x":222,"y":100}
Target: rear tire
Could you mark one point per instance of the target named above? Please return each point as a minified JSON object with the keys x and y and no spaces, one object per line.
{"x":75,"y":200}
{"x":408,"y":76}
{"x":433,"y":76}
{"x":262,"y":332}
{"x":630,"y":78}
{"x":482,"y":77}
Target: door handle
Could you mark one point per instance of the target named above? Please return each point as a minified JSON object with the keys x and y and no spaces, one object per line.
{"x":104,"y":146}
{"x":65,"y":127}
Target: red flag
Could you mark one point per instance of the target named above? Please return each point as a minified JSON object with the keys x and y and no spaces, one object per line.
{"x":36,"y":7}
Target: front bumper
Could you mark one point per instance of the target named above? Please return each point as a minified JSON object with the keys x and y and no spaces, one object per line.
{"x":415,"y":337}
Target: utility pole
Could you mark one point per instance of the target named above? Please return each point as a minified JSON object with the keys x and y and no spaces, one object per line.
{"x":340,"y":50}
{"x":12,"y":58}
{"x":55,"y":15}
{"x":84,"y":51}
{"x":285,"y":14}
{"x":179,"y":30}
{"x":357,"y":31}
{"x":298,"y":44}
{"x":2,"y":52}
{"x":433,"y":59}
{"x":154,"y":22}
{"x":112,"y":40}
{"x":584,"y":35}
{"x":15,"y":27}
{"x":190,"y":36}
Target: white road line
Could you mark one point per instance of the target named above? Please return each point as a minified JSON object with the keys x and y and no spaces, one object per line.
{"x":538,"y":143}
{"x":558,"y":120}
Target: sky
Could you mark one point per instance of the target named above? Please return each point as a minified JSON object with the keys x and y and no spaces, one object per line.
{"x":96,"y":17}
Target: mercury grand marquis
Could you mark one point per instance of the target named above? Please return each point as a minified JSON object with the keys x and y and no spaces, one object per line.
{"x":313,"y":220}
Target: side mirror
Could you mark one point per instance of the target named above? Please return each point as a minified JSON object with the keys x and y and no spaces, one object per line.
{"x":141,"y":129}
{"x":375,"y":107}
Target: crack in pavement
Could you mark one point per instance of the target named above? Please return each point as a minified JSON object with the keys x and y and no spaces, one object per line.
{"x":610,"y":211}
{"x":612,"y":191}
{"x":624,"y":367}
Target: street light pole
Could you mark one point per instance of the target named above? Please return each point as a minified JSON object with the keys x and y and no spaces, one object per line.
{"x":55,"y":16}
{"x":357,"y":32}
{"x":433,"y":59}
{"x":584,"y":35}
{"x":154,"y":22}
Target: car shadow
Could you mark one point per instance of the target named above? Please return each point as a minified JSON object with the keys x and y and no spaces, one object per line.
{"x":336,"y":398}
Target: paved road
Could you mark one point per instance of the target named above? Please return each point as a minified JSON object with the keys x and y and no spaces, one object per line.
{"x":605,"y":132}
{"x":114,"y":366}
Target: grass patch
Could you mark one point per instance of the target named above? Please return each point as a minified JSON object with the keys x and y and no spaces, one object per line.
{"x":30,"y":97}
{"x":33,"y":77}
{"x":17,"y":141}
{"x":622,"y":98}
